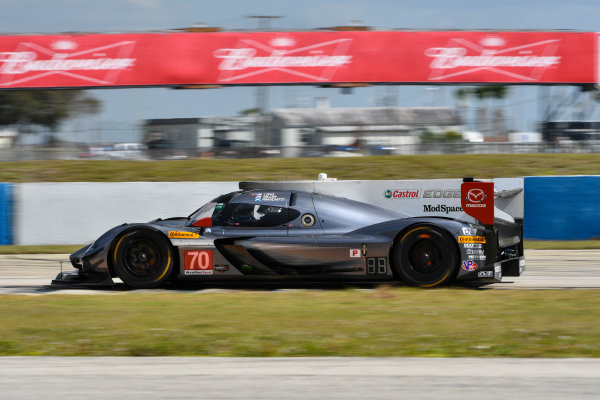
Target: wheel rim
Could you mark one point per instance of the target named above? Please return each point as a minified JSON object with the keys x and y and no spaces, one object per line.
{"x":141,"y":258}
{"x":425,"y":257}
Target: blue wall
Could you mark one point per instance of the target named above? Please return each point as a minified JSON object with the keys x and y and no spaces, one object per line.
{"x":562,"y":207}
{"x":6,"y":204}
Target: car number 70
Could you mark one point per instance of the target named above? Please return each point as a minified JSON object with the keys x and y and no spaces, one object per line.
{"x":198,"y":260}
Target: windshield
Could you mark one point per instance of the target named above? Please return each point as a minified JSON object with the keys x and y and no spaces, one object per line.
{"x":212,"y":209}
{"x":203,"y":212}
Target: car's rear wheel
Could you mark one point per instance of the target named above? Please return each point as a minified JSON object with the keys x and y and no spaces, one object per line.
{"x":143,"y":259}
{"x":425,"y":256}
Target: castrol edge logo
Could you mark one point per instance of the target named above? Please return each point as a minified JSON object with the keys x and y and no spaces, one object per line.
{"x":97,"y":65}
{"x":317,"y":62}
{"x":461,"y":57}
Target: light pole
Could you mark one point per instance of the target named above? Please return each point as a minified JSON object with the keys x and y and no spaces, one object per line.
{"x":262,"y":92}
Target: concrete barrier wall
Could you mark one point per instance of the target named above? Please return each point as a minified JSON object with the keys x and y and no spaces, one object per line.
{"x":79,"y":212}
{"x":556,"y":208}
{"x":562,"y":207}
{"x":6,"y":213}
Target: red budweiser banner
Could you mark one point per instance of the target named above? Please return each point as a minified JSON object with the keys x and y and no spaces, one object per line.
{"x":233,"y":58}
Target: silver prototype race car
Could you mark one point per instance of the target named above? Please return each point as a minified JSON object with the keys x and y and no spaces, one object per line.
{"x":314,"y":231}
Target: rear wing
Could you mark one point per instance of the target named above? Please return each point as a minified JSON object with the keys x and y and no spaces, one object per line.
{"x":490,"y":201}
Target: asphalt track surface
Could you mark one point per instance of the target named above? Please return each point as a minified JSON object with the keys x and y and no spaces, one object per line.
{"x":546,"y":269}
{"x":59,"y":378}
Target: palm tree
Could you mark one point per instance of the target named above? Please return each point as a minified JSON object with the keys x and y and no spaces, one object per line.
{"x":482,"y":93}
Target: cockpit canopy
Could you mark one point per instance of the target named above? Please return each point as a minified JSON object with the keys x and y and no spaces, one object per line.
{"x":247,"y":209}
{"x":299,"y":211}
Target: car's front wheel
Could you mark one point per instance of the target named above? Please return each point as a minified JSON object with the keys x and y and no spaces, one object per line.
{"x":425,"y":256}
{"x":143,"y":259}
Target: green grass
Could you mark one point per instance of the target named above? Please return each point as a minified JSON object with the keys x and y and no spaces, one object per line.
{"x":384,"y":322}
{"x":381,"y":167}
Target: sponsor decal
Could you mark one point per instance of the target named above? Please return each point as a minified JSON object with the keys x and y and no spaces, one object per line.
{"x":471,"y":239}
{"x":198,"y":262}
{"x":98,"y":65}
{"x":183,"y":235}
{"x":272,"y":197}
{"x":355,"y":253}
{"x":474,"y":251}
{"x":522,"y":62}
{"x":480,"y":257}
{"x":476,"y":197}
{"x":485,"y":274}
{"x":441,"y":209}
{"x":469,"y":265}
{"x":221,"y":267}
{"x":402,"y":193}
{"x":314,"y":61}
{"x":422,"y":193}
{"x":267,"y":197}
{"x":478,"y":201}
{"x":441,"y":194}
{"x":472,"y":245}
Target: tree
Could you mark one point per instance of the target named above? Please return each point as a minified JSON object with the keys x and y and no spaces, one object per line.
{"x":250,"y":111}
{"x":446,"y":137}
{"x":497,"y":92}
{"x":44,"y":108}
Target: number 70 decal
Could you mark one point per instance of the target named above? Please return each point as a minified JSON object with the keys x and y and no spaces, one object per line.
{"x":198,"y":262}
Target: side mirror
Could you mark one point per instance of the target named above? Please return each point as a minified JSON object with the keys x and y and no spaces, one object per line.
{"x":203,"y":223}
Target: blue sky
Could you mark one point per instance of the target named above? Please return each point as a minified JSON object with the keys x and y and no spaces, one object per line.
{"x":124,"y":108}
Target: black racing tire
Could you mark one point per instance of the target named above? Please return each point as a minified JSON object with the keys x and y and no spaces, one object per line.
{"x":425,"y":256}
{"x":143,"y":259}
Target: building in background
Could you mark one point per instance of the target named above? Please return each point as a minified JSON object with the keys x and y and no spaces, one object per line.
{"x":301,"y":132}
{"x":8,"y":138}
{"x":195,"y":136}
{"x":368,"y":130}
{"x":553,"y":131}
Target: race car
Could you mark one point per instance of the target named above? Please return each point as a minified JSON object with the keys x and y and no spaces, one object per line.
{"x":273,"y":234}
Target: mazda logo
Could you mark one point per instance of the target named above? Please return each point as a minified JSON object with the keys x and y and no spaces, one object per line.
{"x":476,"y":196}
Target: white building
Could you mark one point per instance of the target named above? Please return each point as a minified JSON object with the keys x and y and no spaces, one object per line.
{"x":366,"y":128}
{"x":7,"y":138}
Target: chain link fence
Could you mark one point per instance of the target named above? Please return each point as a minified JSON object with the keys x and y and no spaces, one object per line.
{"x":73,"y":153}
